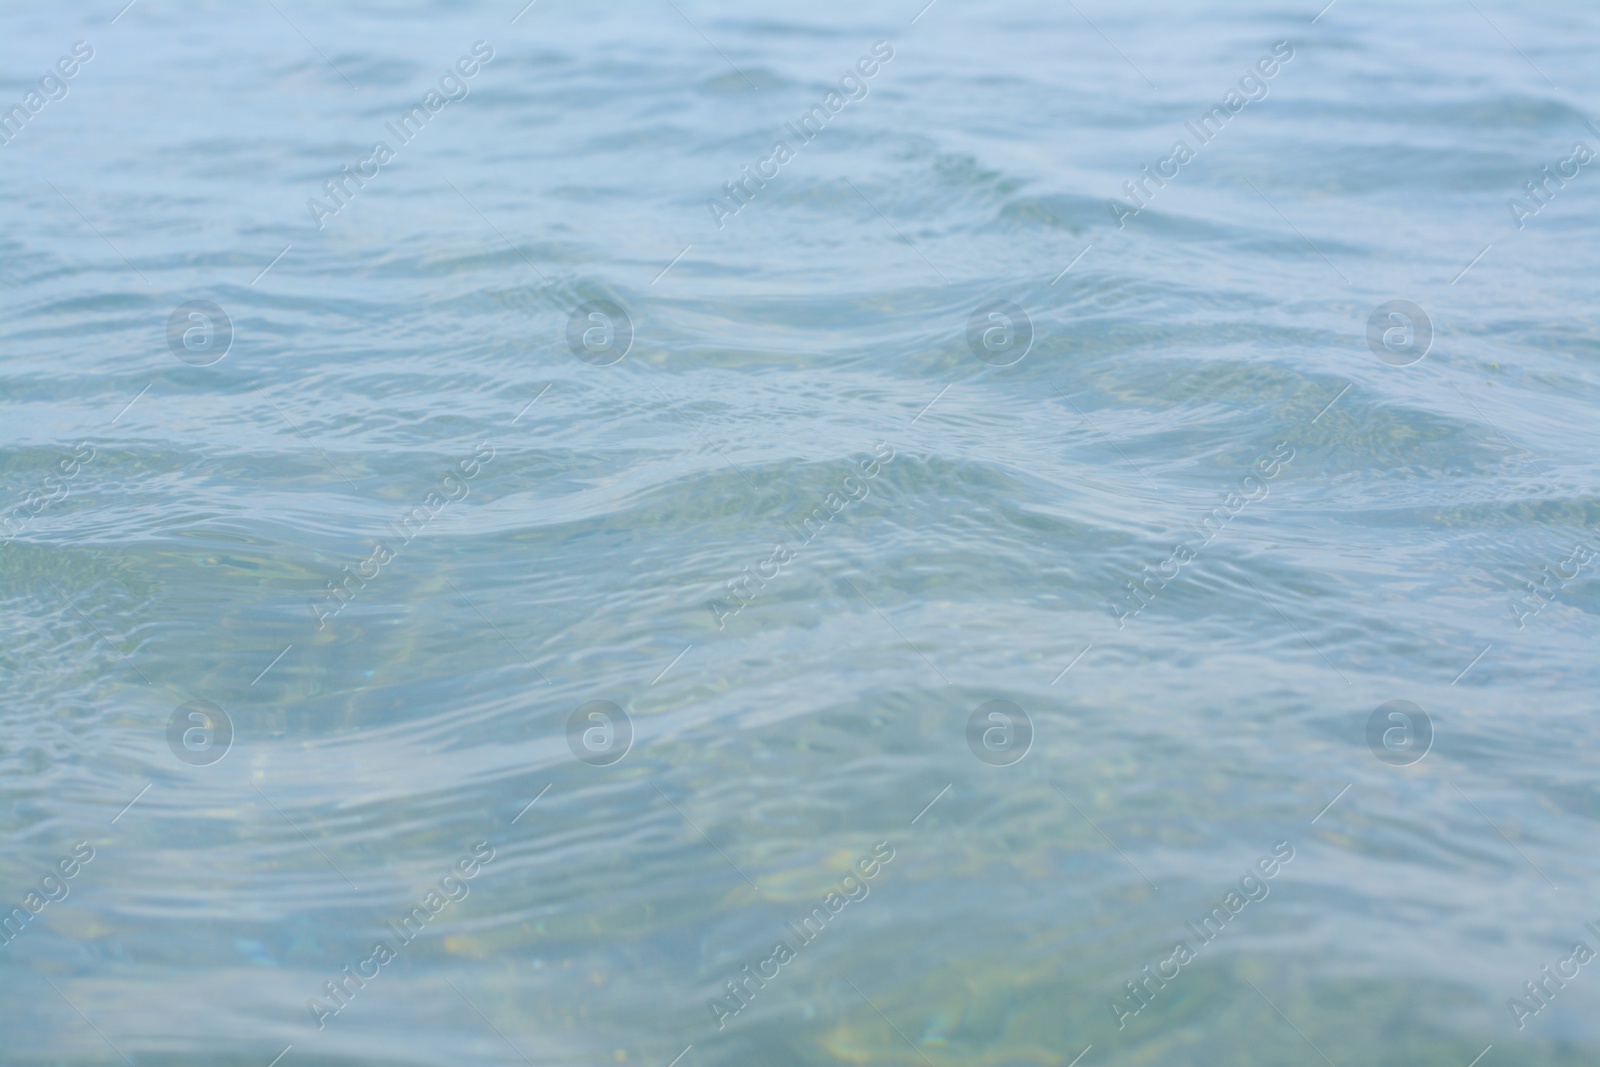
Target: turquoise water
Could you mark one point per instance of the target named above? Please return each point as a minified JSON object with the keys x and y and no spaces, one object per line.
{"x":991,"y":588}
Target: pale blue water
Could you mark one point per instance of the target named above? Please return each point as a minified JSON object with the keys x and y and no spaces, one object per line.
{"x":525,"y":523}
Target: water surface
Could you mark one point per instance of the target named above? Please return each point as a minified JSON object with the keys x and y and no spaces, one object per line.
{"x":400,"y":533}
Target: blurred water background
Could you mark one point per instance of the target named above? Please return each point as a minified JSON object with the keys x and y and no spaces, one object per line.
{"x":778,"y":355}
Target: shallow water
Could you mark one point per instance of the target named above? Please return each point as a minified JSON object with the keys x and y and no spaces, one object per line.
{"x":524,"y":525}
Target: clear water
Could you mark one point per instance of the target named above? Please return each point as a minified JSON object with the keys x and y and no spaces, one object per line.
{"x":174,"y":530}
